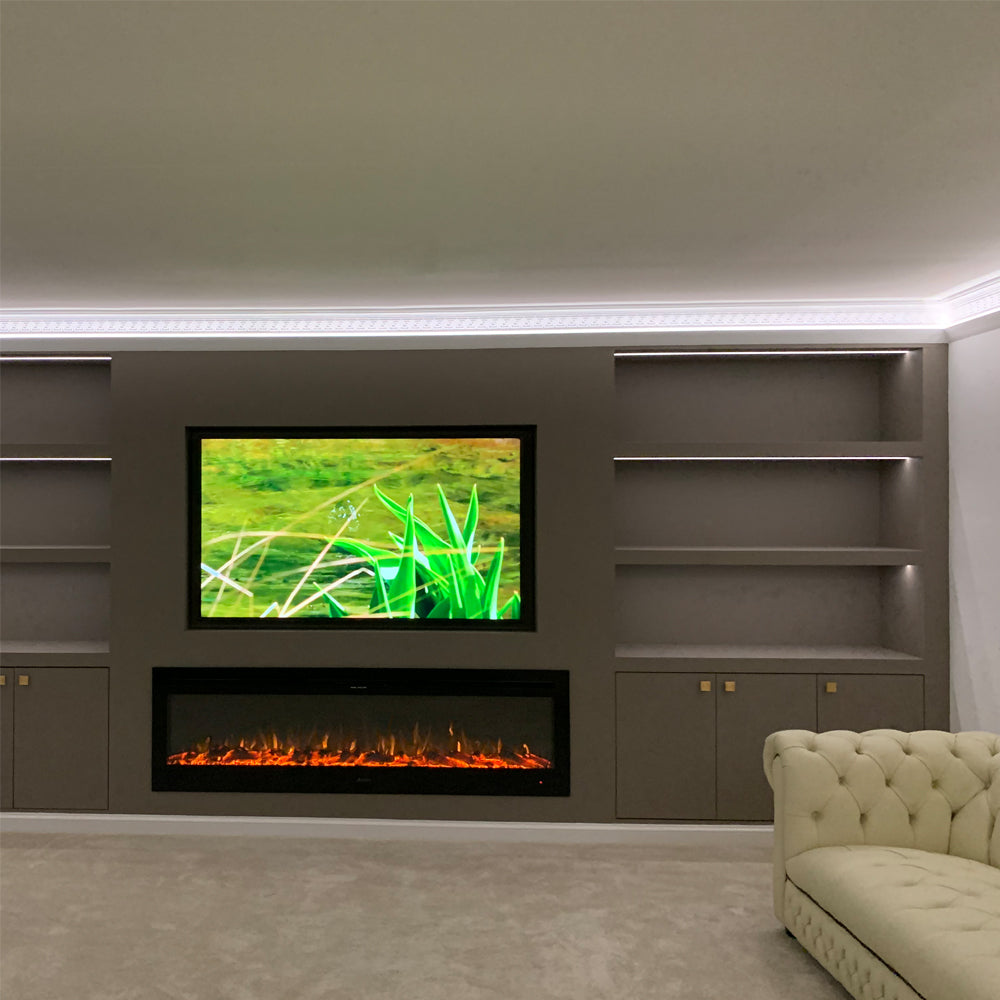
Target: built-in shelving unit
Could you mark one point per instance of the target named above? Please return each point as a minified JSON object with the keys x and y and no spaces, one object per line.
{"x":779,"y":514}
{"x":55,"y":478}
{"x":55,"y":579}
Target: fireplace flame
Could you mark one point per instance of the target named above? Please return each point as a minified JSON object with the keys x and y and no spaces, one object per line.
{"x":270,"y":750}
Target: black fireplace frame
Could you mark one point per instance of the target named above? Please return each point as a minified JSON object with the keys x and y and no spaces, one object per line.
{"x":552,"y":684}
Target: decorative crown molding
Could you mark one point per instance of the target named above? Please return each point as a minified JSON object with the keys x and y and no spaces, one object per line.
{"x":610,"y":324}
{"x":970,"y":301}
{"x":836,"y":314}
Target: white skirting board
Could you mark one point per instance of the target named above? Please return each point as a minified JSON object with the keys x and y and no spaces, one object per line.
{"x":673,"y":834}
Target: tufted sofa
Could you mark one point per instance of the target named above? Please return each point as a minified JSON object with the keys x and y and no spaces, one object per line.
{"x":887,"y":858}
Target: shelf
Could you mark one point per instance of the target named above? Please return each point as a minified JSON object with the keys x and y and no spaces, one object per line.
{"x":55,"y":452}
{"x":629,"y":651}
{"x":779,"y":450}
{"x":75,"y":653}
{"x":55,"y":553}
{"x":719,"y":555}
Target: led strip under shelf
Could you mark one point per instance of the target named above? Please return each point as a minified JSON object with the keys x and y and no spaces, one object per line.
{"x":757,"y":354}
{"x":763,"y":458}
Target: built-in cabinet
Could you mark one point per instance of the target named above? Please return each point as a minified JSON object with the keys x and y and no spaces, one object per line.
{"x":689,"y":745}
{"x":55,"y":576}
{"x":781,"y":554}
{"x":54,"y":738}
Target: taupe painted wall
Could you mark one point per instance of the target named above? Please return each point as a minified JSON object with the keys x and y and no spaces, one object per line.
{"x":974,"y":420}
{"x":567,"y":393}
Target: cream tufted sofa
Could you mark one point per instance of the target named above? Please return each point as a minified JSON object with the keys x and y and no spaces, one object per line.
{"x":887,"y":858}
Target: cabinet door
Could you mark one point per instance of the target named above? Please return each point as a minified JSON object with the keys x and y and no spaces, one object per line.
{"x":870,"y":701}
{"x":61,"y":738}
{"x":665,"y":746}
{"x":749,"y":708}
{"x":6,"y":739}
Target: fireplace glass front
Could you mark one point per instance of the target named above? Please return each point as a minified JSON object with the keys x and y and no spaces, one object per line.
{"x":409,"y":731}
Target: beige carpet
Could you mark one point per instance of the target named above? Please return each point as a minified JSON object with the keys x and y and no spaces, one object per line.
{"x":186,"y":918}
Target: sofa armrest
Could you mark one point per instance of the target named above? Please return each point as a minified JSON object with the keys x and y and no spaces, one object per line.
{"x":825,"y":789}
{"x":929,"y":790}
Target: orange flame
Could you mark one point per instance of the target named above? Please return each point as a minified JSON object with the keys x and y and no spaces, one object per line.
{"x":270,"y":751}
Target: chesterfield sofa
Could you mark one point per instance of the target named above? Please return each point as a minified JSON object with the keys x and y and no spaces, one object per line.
{"x":887,"y":858}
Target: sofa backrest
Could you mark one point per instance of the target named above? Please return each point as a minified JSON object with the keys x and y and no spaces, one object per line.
{"x":929,"y":790}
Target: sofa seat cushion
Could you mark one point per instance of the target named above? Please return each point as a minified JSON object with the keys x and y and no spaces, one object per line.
{"x":933,"y":918}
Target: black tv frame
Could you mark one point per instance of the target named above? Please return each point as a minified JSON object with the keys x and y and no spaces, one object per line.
{"x":525,"y":433}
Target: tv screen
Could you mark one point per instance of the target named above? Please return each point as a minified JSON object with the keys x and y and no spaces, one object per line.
{"x":391,"y":527}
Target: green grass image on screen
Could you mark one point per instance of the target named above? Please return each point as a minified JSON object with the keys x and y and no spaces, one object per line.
{"x":400,"y":528}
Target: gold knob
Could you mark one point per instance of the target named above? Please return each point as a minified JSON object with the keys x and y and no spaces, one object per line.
{"x":831,"y":687}
{"x":730,"y":686}
{"x":23,"y":680}
{"x":705,"y":686}
{"x":3,"y":680}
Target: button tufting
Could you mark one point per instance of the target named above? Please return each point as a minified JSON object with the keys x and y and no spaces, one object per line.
{"x":816,"y":815}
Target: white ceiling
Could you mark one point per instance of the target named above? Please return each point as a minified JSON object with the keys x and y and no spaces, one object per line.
{"x":363,"y":154}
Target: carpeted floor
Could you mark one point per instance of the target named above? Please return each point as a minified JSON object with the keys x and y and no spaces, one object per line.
{"x":187,"y":918}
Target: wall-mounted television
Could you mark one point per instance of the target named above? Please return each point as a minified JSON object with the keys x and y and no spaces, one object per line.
{"x":361,"y":527}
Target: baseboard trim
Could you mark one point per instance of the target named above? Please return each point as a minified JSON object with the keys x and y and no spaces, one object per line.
{"x":673,"y":834}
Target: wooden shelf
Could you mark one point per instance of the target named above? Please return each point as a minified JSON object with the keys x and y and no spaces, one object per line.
{"x":54,"y":452}
{"x":55,"y":553}
{"x":630,"y":651}
{"x":75,"y":653}
{"x":720,"y":555}
{"x":789,"y":451}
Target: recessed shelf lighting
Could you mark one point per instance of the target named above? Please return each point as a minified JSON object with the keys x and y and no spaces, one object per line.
{"x":754,"y":354}
{"x":53,"y":357}
{"x":762,"y":458}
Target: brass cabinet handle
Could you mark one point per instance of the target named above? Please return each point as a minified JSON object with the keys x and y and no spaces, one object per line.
{"x":831,"y":687}
{"x":3,"y":680}
{"x":729,"y":686}
{"x":705,"y":686}
{"x":23,"y":680}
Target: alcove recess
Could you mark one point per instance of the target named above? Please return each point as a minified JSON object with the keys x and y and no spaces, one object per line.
{"x":55,"y":429}
{"x":783,"y":511}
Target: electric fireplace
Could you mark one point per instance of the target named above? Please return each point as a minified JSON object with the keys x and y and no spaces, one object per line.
{"x":383,"y":730}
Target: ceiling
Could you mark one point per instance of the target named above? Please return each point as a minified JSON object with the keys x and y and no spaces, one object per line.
{"x":225,"y":153}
